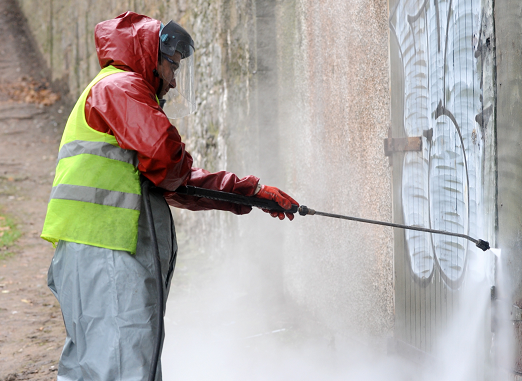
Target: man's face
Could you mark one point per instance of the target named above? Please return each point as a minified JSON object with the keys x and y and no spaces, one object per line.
{"x":167,"y":68}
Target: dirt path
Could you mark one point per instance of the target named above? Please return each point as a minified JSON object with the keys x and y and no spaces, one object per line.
{"x":31,"y":327}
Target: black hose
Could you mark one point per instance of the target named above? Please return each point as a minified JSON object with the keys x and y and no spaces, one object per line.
{"x":145,"y":185}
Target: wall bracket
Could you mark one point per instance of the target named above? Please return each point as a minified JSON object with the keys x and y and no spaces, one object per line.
{"x":392,"y":145}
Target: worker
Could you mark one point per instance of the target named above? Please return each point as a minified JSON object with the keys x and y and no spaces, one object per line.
{"x":118,"y":135}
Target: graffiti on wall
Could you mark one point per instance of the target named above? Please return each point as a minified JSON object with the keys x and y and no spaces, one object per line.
{"x":442,"y":185}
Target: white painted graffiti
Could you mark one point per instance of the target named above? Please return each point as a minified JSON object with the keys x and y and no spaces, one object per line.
{"x":442,"y":184}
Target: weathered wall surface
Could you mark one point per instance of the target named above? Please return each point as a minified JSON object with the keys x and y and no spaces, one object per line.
{"x":64,"y":31}
{"x":334,"y":129}
{"x":296,"y":92}
{"x":508,"y":23}
{"x":509,"y":133}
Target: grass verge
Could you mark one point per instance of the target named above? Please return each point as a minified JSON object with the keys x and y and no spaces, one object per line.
{"x":9,"y":233}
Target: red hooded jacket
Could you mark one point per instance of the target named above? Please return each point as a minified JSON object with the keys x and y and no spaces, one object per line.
{"x":124,"y":105}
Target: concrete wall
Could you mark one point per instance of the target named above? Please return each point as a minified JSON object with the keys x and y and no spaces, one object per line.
{"x":508,"y":23}
{"x":296,"y":92}
{"x":509,"y":134}
{"x":337,"y":60}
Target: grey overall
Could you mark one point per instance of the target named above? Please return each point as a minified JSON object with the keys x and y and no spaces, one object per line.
{"x":109,"y":302}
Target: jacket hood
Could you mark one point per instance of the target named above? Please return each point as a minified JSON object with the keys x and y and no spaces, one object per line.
{"x":130,"y":40}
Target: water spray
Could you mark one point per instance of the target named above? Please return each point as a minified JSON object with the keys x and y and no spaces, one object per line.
{"x":304,"y":210}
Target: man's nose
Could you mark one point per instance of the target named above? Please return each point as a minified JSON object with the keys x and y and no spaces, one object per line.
{"x":172,"y":83}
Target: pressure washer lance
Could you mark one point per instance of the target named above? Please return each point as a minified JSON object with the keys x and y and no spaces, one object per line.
{"x":304,"y":210}
{"x":481,"y":244}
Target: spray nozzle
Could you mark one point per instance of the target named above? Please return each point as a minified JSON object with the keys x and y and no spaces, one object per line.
{"x":483,"y":245}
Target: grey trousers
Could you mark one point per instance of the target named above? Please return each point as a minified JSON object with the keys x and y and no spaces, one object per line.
{"x":109,"y":303}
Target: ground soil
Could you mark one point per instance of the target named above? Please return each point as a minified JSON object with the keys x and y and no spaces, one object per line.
{"x":31,"y":326}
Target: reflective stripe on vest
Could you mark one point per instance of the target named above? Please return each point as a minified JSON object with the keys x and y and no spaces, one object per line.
{"x":96,"y":194}
{"x":107,"y":150}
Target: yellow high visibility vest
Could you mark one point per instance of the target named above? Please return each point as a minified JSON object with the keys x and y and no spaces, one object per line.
{"x":96,"y":194}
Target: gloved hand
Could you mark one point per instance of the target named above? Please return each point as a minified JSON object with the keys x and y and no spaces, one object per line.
{"x":284,"y":200}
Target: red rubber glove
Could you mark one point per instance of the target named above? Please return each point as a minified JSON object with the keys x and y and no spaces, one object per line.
{"x":284,"y":200}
